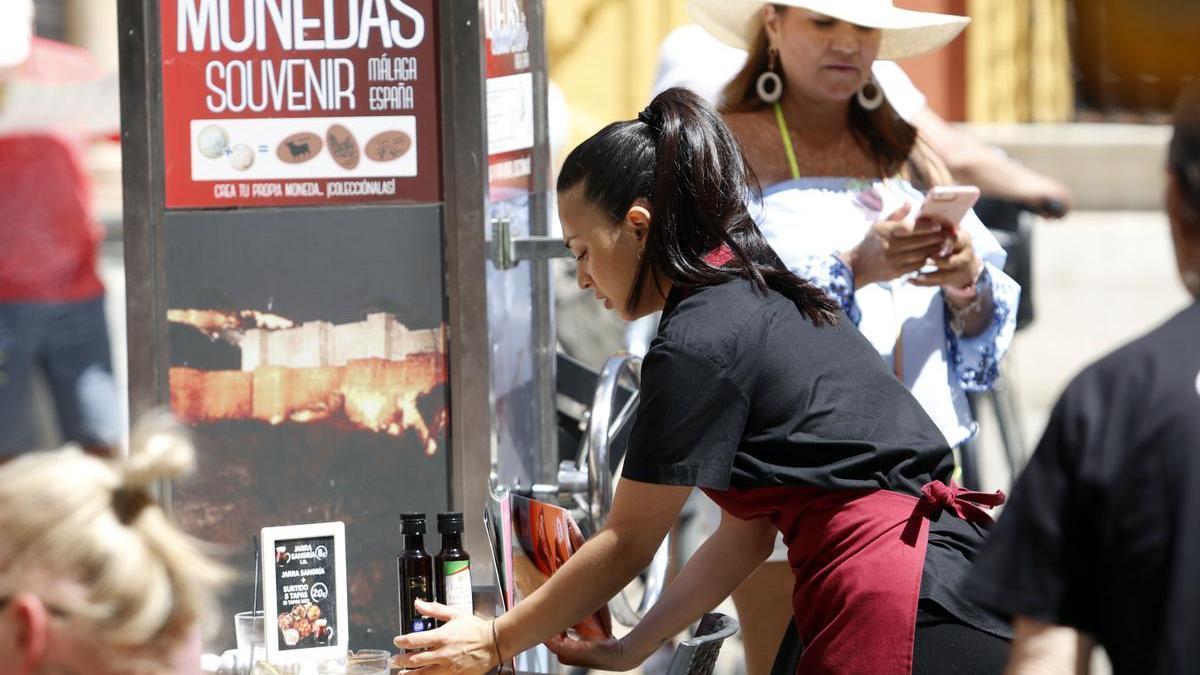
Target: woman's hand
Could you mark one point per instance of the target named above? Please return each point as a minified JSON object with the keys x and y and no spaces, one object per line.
{"x":894,"y":247}
{"x":958,"y":268}
{"x":729,"y":555}
{"x":600,"y":654}
{"x":464,"y":645}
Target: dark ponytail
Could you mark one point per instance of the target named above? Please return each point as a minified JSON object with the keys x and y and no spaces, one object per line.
{"x":680,"y":156}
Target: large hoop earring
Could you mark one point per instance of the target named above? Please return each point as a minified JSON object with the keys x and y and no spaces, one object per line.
{"x":870,"y":101}
{"x":769,"y":85}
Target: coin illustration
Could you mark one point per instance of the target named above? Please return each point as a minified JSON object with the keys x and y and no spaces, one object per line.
{"x":212,"y":141}
{"x":388,"y":145}
{"x":299,"y":148}
{"x":241,"y":157}
{"x":342,"y":146}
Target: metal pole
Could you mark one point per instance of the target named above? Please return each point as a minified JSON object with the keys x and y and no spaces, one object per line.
{"x":464,"y":140}
{"x":142,"y":186}
{"x":546,"y":346}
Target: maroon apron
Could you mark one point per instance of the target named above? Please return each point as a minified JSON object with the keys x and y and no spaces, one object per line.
{"x":858,"y":556}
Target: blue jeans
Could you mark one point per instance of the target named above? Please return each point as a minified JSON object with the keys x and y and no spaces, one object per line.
{"x":68,"y":343}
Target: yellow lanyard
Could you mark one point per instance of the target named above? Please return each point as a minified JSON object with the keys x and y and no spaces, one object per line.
{"x":788,"y":148}
{"x":787,"y":141}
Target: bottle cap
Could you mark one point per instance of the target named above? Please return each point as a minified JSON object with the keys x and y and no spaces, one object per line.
{"x":412,"y":523}
{"x":450,"y":523}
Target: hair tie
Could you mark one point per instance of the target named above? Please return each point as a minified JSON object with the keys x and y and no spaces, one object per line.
{"x":647,"y":117}
{"x":128,"y":503}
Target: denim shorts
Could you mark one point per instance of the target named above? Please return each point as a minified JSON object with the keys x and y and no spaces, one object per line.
{"x":68,"y":343}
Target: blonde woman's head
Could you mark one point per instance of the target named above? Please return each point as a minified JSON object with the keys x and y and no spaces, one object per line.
{"x":94,"y":578}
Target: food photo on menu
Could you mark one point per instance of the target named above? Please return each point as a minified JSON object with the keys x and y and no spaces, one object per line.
{"x":305,"y":581}
{"x":544,"y":536}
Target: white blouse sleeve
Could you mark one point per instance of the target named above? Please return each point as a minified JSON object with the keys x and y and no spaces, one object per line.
{"x":834,"y":277}
{"x":976,"y":359}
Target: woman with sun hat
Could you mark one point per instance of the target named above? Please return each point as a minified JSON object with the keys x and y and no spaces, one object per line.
{"x":843,"y":176}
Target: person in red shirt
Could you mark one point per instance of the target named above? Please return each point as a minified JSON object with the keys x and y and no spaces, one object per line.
{"x":51,"y":297}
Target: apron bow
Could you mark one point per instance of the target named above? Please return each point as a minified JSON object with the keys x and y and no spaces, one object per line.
{"x":968,"y":505}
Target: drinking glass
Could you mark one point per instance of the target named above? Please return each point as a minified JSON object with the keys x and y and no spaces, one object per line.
{"x":250,"y":629}
{"x":362,"y":662}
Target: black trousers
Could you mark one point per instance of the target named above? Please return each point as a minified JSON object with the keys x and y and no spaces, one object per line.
{"x":943,"y":646}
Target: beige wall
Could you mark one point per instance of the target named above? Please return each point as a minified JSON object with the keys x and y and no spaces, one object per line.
{"x":602,"y":54}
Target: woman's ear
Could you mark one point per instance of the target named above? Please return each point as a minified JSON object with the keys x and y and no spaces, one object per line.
{"x":30,"y":632}
{"x":637,"y":221}
{"x":771,"y":20}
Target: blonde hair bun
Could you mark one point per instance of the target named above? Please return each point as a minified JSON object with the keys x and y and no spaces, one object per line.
{"x":70,"y":517}
{"x":159,"y":449}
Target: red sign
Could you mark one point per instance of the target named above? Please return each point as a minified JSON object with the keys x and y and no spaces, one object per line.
{"x":285,"y":102}
{"x":509,"y":99}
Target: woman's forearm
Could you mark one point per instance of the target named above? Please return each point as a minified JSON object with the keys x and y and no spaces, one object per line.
{"x":642,"y":515}
{"x":600,"y":569}
{"x":1046,"y":649}
{"x":720,"y":565}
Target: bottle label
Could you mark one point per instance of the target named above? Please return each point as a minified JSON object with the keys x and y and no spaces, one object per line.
{"x":457,"y":574}
{"x":418,"y":588}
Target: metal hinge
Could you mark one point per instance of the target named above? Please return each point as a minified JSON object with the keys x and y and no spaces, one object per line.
{"x":508,"y":250}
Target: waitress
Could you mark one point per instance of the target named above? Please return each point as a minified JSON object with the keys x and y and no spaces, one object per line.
{"x":758,"y":390}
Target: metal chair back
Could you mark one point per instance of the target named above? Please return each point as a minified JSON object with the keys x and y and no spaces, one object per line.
{"x":698,"y":656}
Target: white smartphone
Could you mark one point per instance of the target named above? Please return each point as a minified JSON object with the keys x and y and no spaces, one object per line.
{"x":949,"y":203}
{"x":946,"y":204}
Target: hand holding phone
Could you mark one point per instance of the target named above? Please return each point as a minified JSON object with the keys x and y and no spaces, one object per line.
{"x":947,"y":205}
{"x":956,"y":265}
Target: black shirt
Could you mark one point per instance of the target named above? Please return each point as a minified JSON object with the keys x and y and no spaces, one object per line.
{"x":1103,"y":529}
{"x":741,"y":390}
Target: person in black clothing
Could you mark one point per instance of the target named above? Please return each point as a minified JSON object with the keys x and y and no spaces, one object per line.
{"x":1101,"y":541}
{"x":758,"y":390}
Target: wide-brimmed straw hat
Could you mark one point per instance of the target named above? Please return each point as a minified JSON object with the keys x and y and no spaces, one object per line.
{"x":905,"y":32}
